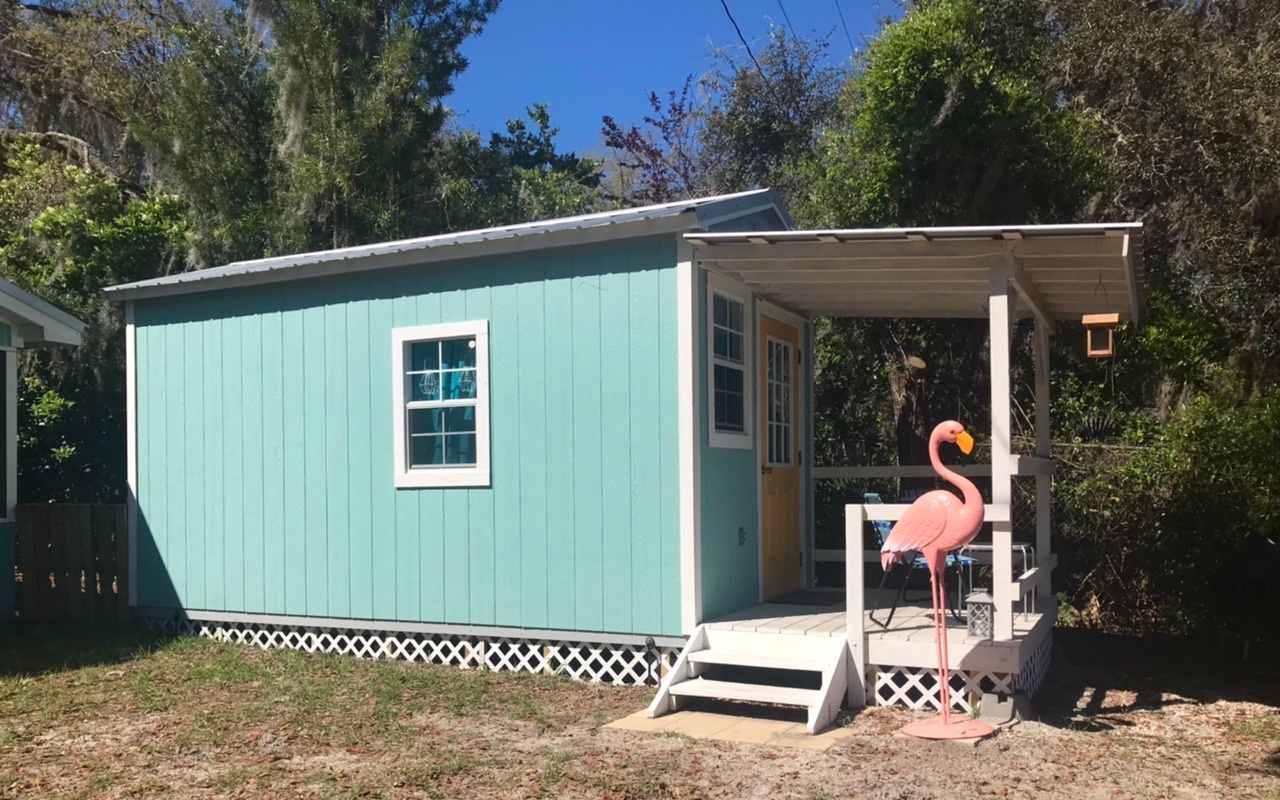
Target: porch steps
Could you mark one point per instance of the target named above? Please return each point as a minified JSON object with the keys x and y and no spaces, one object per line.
{"x":746,"y":692}
{"x":759,"y":667}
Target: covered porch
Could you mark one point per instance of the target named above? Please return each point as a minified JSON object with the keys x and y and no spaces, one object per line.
{"x":1004,"y":274}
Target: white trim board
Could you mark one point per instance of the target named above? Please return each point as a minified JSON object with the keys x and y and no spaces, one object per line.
{"x":690,"y":439}
{"x":131,"y":444}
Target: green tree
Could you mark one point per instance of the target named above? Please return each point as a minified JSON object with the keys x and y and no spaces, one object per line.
{"x":359,"y":105}
{"x":518,"y":176}
{"x":1184,"y":98}
{"x":951,"y":120}
{"x":66,"y":232}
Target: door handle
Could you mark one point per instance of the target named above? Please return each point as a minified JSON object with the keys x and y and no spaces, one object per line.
{"x":765,"y":469}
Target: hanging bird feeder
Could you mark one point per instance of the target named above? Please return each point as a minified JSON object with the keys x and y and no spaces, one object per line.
{"x":1099,"y":333}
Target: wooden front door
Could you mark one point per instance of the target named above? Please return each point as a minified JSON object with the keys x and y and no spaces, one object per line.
{"x":781,"y":565}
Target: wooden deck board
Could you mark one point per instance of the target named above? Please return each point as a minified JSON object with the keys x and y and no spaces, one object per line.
{"x":908,"y":642}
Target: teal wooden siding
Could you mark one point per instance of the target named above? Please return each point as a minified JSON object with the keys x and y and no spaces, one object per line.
{"x":730,"y":534}
{"x":265,"y":448}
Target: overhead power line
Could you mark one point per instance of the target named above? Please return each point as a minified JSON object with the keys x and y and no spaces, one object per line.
{"x":787,"y":17}
{"x":768,"y":87}
{"x":845,"y":25}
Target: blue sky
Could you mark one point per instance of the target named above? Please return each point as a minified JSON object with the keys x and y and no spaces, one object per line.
{"x":585,"y":59}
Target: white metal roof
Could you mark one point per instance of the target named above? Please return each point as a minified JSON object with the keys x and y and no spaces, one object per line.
{"x":1062,"y":271}
{"x":680,"y":215}
{"x":37,"y":321}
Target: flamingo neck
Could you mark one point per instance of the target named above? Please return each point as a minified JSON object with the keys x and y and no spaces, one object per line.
{"x":972,"y":497}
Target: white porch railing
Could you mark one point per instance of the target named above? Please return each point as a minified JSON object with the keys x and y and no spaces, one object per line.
{"x":1034,"y":583}
{"x":855,"y":584}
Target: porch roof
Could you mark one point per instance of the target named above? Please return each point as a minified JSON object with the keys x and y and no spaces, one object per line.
{"x":1059,"y":271}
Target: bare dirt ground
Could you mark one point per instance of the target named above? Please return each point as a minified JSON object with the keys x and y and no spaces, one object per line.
{"x":123,"y":715}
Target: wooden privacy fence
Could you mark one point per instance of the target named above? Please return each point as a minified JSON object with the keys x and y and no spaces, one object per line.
{"x":72,"y":561}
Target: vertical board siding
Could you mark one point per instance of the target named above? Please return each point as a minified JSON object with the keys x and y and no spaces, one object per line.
{"x":265,"y":442}
{"x":359,"y":552}
{"x":561,"y":602}
{"x":194,"y":426}
{"x":251,"y":462}
{"x":588,"y":447}
{"x":272,"y":412}
{"x":730,"y":539}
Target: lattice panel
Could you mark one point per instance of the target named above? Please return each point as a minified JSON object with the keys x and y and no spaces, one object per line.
{"x":1033,"y":673}
{"x":917,"y":688}
{"x":590,"y":662}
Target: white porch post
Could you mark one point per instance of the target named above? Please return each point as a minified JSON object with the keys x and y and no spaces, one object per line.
{"x":1001,"y":451}
{"x":1044,"y":482}
{"x":854,"y":607}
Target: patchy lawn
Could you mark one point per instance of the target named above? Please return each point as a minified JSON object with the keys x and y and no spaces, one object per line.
{"x":126,"y":715}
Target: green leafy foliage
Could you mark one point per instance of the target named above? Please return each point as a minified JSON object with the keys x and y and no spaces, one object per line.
{"x":951,"y":120}
{"x":66,"y":232}
{"x":1171,"y":536}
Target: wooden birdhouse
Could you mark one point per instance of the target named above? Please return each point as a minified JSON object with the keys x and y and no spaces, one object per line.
{"x":1099,"y":333}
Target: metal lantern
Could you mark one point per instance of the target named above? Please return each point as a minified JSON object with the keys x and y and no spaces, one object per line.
{"x":981,"y":612}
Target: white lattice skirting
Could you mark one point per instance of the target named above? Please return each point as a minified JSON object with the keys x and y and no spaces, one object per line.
{"x":917,"y":688}
{"x":591,"y":662}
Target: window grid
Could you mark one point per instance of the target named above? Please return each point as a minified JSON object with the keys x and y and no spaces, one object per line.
{"x":778,"y":426}
{"x":728,"y":333}
{"x":440,"y":413}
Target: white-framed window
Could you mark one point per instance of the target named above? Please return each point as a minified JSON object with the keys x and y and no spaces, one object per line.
{"x":440,"y":393}
{"x":729,"y":364}
{"x":779,"y":403}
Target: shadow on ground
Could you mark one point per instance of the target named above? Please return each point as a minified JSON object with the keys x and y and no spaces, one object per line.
{"x":41,"y":649}
{"x":1098,"y":680}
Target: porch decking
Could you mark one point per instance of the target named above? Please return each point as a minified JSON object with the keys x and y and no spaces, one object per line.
{"x":907,"y":643}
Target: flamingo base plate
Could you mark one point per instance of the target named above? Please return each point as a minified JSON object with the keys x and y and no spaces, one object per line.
{"x":936,"y":728}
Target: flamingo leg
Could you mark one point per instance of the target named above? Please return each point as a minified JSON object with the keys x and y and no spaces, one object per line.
{"x":946,"y":651}
{"x":938,"y":634}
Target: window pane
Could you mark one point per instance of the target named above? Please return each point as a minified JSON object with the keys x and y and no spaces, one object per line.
{"x":735,"y":316}
{"x":425,"y":386}
{"x":460,"y":449}
{"x":735,"y":347}
{"x":721,"y":342}
{"x":729,"y":379}
{"x":459,"y":385}
{"x":721,"y":306}
{"x":461,"y":419}
{"x":426,"y":451}
{"x":733,"y":411}
{"x":424,"y":355}
{"x":429,"y":420}
{"x":458,"y":353}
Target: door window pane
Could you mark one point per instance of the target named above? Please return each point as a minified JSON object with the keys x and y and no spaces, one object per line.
{"x":778,"y":391}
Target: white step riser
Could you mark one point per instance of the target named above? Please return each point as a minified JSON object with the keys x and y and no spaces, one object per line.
{"x":731,"y":658}
{"x":746,"y":692}
{"x":805,"y":648}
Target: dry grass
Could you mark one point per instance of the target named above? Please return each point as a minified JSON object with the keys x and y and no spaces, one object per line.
{"x":125,"y":715}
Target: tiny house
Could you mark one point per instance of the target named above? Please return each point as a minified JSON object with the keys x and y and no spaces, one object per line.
{"x":581,"y":446}
{"x":472,"y":436}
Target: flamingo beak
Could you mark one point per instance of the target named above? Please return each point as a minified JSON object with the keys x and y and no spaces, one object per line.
{"x":965,"y":442}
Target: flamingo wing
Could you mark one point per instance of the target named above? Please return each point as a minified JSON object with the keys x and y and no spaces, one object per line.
{"x":921,"y":524}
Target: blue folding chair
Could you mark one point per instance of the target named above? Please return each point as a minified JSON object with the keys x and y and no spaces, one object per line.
{"x":882,"y":529}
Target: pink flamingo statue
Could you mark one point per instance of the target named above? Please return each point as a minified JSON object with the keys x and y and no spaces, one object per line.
{"x":935,"y":525}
